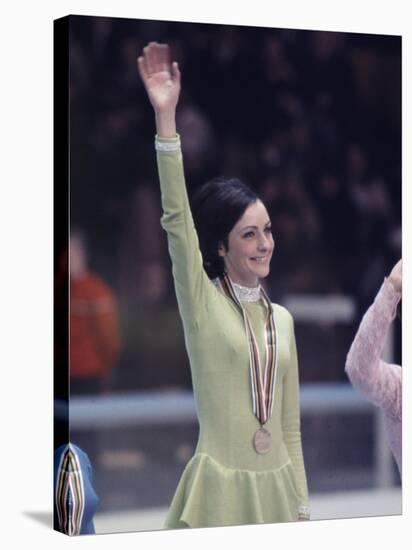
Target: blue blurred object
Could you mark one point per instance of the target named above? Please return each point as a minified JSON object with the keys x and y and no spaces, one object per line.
{"x":75,"y":501}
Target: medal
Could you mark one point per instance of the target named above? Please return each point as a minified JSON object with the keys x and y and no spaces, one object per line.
{"x":262,"y":383}
{"x":262,"y":441}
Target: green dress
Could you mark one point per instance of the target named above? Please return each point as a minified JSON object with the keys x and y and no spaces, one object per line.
{"x":226,"y":482}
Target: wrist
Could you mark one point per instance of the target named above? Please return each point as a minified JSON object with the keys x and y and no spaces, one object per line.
{"x":166,"y":123}
{"x":167,"y":145}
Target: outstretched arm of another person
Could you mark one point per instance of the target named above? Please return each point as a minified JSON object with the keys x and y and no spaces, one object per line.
{"x":378,"y":380}
{"x":162,"y":81}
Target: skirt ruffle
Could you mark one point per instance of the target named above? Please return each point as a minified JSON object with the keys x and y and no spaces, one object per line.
{"x":211,"y":495}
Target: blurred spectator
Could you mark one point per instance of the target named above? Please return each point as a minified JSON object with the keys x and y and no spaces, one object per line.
{"x":339,"y":222}
{"x":152,"y":318}
{"x":142,"y":242}
{"x":296,"y":263}
{"x":94,"y":330}
{"x":197,"y":140}
{"x":376,"y":220}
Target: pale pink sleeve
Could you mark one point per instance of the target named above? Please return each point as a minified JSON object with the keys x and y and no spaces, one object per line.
{"x":379,"y":381}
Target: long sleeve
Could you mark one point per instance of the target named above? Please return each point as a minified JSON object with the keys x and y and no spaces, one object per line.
{"x":379,"y":381}
{"x":291,"y":425}
{"x":191,"y":282}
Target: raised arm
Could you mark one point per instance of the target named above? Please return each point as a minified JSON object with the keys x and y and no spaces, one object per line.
{"x":161,"y":79}
{"x":379,"y":381}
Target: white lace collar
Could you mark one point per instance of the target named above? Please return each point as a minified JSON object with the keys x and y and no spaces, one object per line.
{"x":247,"y":294}
{"x":244,"y":293}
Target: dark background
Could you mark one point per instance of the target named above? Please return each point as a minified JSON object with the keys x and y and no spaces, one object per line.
{"x":310,"y":119}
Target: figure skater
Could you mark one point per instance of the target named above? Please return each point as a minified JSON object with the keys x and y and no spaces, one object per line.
{"x":248,"y":465}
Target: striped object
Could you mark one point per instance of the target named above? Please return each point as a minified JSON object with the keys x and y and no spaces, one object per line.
{"x":69,"y":493}
{"x":262,"y":384}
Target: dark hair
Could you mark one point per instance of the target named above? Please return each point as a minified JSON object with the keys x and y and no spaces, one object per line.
{"x":216,"y":208}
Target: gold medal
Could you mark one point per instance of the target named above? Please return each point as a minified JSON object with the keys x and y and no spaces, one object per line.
{"x":262,"y":440}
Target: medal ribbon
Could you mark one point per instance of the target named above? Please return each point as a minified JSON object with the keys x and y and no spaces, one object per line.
{"x":262,"y":384}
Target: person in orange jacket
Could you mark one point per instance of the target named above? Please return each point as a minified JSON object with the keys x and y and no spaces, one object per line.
{"x":94,"y":324}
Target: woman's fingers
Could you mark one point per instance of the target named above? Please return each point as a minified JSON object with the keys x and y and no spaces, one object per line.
{"x":163,"y":56}
{"x":149,"y":55}
{"x":159,"y":56}
{"x":176,"y":72}
{"x":154,"y":51}
{"x":156,"y":58}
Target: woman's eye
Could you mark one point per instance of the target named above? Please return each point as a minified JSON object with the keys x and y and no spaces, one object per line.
{"x":268,"y":229}
{"x":248,"y":235}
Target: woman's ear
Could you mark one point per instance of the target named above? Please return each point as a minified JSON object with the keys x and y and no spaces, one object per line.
{"x":221,"y":249}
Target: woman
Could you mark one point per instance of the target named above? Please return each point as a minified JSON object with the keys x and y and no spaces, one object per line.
{"x":248,"y":465}
{"x":380,"y":382}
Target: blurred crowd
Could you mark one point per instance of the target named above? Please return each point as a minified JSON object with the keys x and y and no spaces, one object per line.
{"x":310,"y":119}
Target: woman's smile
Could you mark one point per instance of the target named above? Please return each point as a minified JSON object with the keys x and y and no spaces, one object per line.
{"x":260,"y":259}
{"x":250,"y":247}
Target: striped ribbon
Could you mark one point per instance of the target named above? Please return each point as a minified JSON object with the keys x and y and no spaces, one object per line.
{"x":262,"y":384}
{"x":70,"y":493}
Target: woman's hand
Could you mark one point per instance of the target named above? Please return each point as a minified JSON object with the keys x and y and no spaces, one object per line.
{"x":161,"y":79}
{"x":395,"y":276}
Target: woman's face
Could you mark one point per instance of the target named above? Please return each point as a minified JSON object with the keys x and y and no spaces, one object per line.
{"x":250,"y":247}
